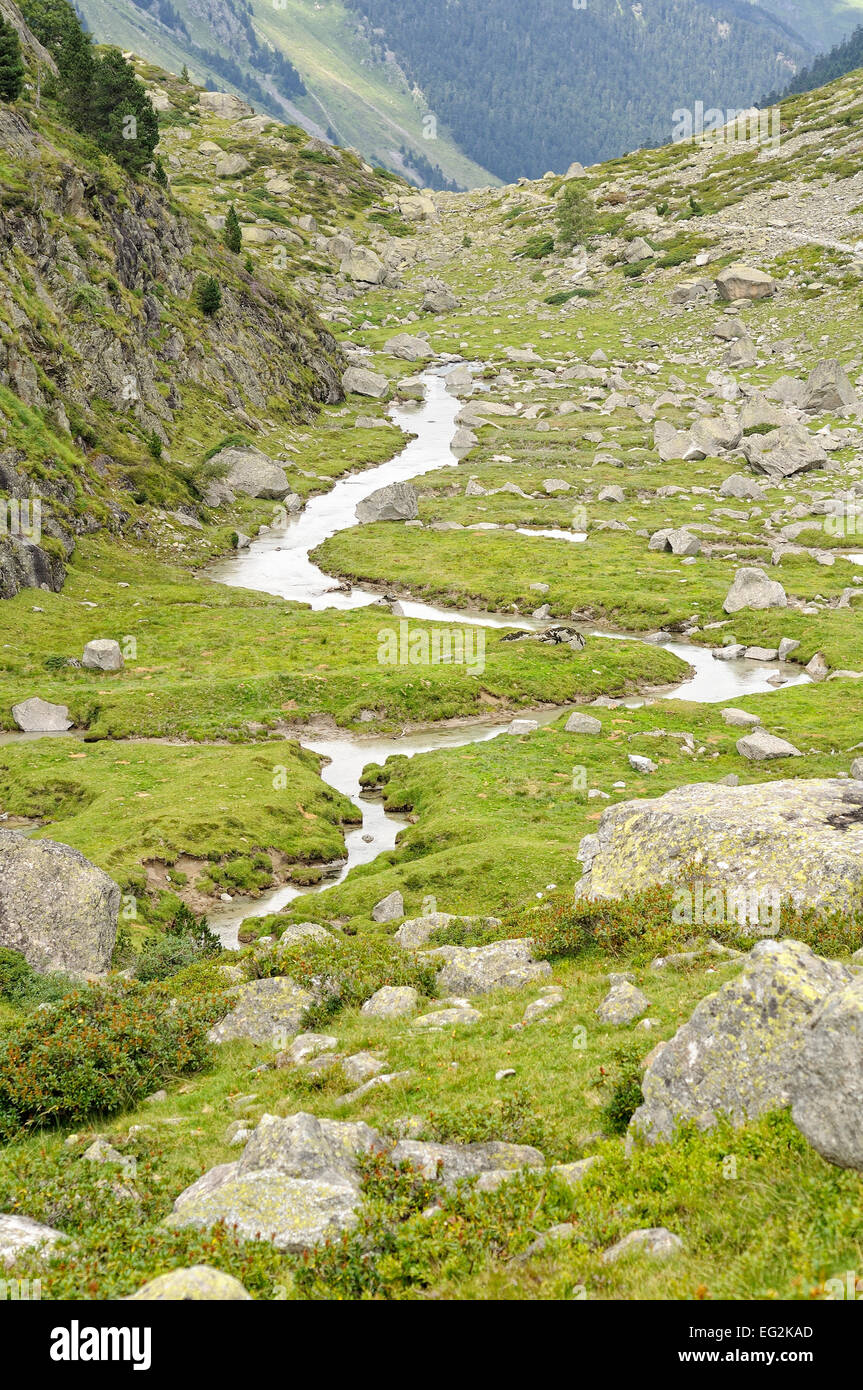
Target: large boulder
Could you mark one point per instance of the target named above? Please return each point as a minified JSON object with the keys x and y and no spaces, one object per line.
{"x":35,"y":716}
{"x":395,"y":502}
{"x":739,"y":1054}
{"x":248,"y":471}
{"x":364,"y":266}
{"x":760,"y":746}
{"x":827,"y":1088}
{"x":785,"y":452}
{"x":438,"y":298}
{"x":742,"y":282}
{"x":229,"y":166}
{"x":409,"y":348}
{"x":296,"y":1185}
{"x":480,"y":969}
{"x":359,"y":381}
{"x":223,"y":104}
{"x":753,"y":589}
{"x":103,"y":654}
{"x":800,"y":839}
{"x":829,"y":390}
{"x":265,"y":1012}
{"x":56,"y":908}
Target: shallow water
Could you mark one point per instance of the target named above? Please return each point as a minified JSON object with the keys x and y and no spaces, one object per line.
{"x":279,"y":564}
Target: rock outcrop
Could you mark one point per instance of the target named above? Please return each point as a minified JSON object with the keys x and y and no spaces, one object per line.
{"x":802,"y":839}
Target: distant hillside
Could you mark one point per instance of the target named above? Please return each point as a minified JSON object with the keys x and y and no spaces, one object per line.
{"x":528,"y":88}
{"x":821,"y":22}
{"x":845,"y":57}
{"x":307,"y":61}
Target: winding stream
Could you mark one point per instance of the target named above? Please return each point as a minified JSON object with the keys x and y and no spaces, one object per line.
{"x":278,"y":563}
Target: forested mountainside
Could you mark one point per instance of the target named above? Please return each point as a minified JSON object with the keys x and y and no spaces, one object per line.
{"x":843,"y":58}
{"x":300,"y":60}
{"x":529,"y":88}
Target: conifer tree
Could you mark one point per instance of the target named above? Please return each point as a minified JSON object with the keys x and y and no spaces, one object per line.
{"x":11,"y":67}
{"x":233,"y":237}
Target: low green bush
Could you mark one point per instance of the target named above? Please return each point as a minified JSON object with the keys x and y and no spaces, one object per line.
{"x":344,"y":976}
{"x":97,"y":1051}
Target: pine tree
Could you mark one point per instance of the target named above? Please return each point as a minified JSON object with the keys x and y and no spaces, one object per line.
{"x":184,"y":75}
{"x":208,"y":295}
{"x":232,"y":235}
{"x":11,"y":67}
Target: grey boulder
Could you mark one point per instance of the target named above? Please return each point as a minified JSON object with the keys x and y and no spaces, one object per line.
{"x":753,"y":589}
{"x":739,"y":1054}
{"x":35,"y":716}
{"x":395,"y":502}
{"x":251,"y":473}
{"x":469,"y":970}
{"x":56,"y":908}
{"x":265,"y":1011}
{"x":828,"y":1083}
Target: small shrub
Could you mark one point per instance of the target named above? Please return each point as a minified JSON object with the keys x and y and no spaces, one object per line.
{"x":537,"y":247}
{"x":344,"y":974}
{"x":626,"y":1096}
{"x":96,"y":1052}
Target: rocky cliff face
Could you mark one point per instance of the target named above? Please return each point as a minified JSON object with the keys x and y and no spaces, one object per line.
{"x":104,"y":355}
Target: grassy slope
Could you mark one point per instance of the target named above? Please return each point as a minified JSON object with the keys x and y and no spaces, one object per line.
{"x":495,"y":824}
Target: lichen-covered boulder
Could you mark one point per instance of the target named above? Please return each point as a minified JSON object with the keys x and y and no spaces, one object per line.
{"x":623,"y":1004}
{"x":827,"y":1089}
{"x":56,"y":908}
{"x":293,"y":1213}
{"x":304,"y":1146}
{"x":740,"y":1052}
{"x":801,"y":841}
{"x":480,"y":969}
{"x":197,"y":1284}
{"x":265,"y":1012}
{"x":296,"y":1185}
{"x":391,"y":1001}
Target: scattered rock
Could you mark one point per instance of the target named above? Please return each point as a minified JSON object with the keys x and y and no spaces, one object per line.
{"x":656,"y":1242}
{"x":199,"y":1283}
{"x":390,"y":908}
